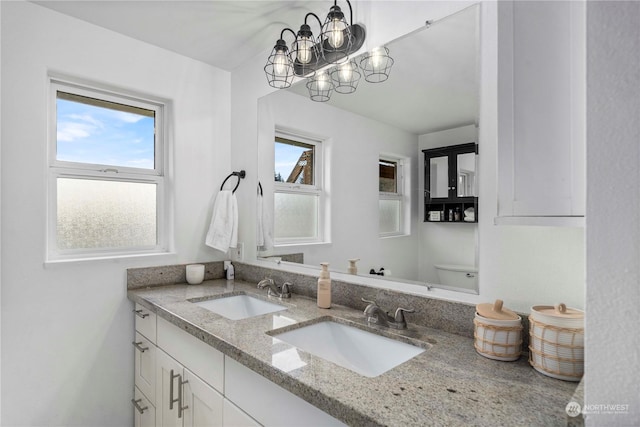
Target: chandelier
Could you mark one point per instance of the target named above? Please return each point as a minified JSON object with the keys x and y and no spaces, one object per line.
{"x":325,"y":60}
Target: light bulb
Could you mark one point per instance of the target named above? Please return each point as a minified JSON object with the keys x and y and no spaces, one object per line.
{"x":323,"y":82}
{"x":304,"y":50}
{"x":346,"y":72}
{"x":280,"y":63}
{"x":335,"y":34}
{"x":376,"y":58}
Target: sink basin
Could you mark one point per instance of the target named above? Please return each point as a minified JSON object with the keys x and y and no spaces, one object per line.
{"x":363,"y":352}
{"x":238,"y":307}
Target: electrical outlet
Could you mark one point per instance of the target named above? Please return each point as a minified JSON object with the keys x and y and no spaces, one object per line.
{"x":238,"y":252}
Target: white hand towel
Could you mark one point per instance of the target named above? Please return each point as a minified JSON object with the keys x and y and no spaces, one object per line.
{"x":264,"y":226}
{"x":223,"y":229}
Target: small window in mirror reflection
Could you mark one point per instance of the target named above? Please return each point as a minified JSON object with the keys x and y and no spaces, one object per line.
{"x":299,"y":207}
{"x":294,"y":162}
{"x":388,"y":182}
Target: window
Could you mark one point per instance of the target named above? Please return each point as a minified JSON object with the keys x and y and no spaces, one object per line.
{"x":106,"y":175}
{"x":391,"y":203}
{"x":298,"y":197}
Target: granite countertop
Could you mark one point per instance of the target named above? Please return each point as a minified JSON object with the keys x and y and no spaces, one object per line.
{"x":448,"y":384}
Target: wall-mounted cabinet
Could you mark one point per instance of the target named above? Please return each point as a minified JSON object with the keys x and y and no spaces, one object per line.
{"x":451,"y":183}
{"x":541,"y":113}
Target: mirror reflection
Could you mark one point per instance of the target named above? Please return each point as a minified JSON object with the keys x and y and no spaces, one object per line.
{"x":344,"y":179}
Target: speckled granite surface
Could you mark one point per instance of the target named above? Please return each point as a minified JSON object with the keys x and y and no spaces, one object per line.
{"x":449,"y":384}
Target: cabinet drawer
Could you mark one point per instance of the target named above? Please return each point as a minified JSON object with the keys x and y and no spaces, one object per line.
{"x":201,"y":359}
{"x":146,"y":322}
{"x":145,"y":366}
{"x":144,"y":412}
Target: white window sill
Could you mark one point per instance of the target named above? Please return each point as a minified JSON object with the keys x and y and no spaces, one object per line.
{"x":110,"y":258}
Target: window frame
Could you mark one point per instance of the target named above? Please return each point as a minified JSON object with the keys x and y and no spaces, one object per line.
{"x":317,"y":189}
{"x":104,"y":172}
{"x":398,"y":195}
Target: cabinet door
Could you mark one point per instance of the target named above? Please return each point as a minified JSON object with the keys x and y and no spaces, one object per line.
{"x":168,"y":378}
{"x":232,"y":416}
{"x":145,"y":366}
{"x":144,"y":412}
{"x":541,"y":109}
{"x":203,"y":405}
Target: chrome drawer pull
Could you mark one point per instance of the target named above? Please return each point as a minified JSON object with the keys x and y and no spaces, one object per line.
{"x":181,"y":397}
{"x":140,"y":313}
{"x":136,"y":403}
{"x":139,"y":346}
{"x":171,"y":399}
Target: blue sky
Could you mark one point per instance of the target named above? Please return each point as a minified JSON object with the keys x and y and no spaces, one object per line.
{"x":286,"y":157}
{"x":91,"y":134}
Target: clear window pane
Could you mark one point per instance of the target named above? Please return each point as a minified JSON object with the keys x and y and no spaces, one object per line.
{"x":390,"y":210}
{"x":100,"y":132}
{"x":296,"y":216}
{"x":388,"y":176}
{"x":94,"y":214}
{"x":294,"y":162}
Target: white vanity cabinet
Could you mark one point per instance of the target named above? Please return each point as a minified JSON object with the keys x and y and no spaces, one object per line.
{"x":189,"y":380}
{"x":541,"y":112}
{"x":184,"y":400}
{"x":144,"y":367}
{"x":180,"y":381}
{"x":263,"y":400}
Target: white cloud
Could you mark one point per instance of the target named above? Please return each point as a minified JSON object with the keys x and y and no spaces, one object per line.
{"x":87,"y":118}
{"x":71,"y":131}
{"x":126,"y":117}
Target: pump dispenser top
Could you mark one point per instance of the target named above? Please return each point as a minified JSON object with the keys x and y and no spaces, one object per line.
{"x":324,"y":287}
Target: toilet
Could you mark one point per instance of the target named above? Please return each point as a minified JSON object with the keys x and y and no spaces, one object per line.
{"x":458,"y":276}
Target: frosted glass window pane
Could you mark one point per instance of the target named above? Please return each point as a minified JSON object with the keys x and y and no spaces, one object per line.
{"x":94,"y":214}
{"x":296,"y":216}
{"x":389,"y":216}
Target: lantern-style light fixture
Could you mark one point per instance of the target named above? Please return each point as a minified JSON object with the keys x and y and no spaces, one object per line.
{"x":345,"y":77}
{"x":376,"y":65}
{"x":320,"y":87}
{"x":279,"y":68}
{"x":310,"y":57}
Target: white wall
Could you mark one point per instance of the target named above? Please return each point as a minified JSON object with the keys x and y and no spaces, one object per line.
{"x":613,"y":201}
{"x":446,"y":243}
{"x":353,"y":146}
{"x":67,"y":329}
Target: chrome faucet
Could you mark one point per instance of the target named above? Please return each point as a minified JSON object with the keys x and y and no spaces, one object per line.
{"x":283,"y":291}
{"x":380,"y":317}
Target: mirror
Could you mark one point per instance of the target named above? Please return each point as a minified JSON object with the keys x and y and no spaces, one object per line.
{"x":368,"y":157}
{"x":467,"y":175}
{"x":439,"y":170}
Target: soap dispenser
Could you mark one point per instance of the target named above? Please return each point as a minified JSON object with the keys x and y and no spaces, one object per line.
{"x":324,"y":287}
{"x":230,"y":270}
{"x":353,"y":268}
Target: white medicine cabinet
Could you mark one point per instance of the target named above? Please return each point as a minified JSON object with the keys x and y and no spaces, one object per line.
{"x":541,"y":113}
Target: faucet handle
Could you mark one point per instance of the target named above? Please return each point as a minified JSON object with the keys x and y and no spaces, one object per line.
{"x":368,"y":302}
{"x":399,"y":316}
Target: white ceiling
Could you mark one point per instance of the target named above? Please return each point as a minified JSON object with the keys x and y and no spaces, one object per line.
{"x":224,"y":34}
{"x":433,"y":84}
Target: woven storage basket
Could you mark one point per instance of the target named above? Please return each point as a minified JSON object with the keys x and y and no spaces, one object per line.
{"x":497,"y":332}
{"x":556,"y":346}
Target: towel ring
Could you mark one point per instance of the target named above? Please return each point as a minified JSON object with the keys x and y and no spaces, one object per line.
{"x":240,"y":176}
